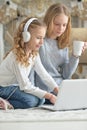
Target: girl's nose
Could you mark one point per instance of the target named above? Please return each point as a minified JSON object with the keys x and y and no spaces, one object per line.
{"x":41,"y":41}
{"x":60,"y":27}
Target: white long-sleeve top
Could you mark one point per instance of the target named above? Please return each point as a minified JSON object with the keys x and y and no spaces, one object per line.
{"x":13,"y":73}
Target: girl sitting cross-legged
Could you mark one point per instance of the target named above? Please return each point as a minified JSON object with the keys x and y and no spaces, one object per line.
{"x":16,"y":90}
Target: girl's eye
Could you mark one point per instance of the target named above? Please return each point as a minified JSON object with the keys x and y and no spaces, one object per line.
{"x":64,"y":25}
{"x":56,"y":24}
{"x":38,"y":38}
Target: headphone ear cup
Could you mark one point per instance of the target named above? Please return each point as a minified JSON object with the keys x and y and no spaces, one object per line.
{"x":26,"y":36}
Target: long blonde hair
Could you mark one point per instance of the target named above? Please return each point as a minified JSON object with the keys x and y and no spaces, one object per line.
{"x":19,"y":45}
{"x":53,"y":11}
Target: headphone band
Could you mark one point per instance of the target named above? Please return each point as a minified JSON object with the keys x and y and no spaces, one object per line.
{"x":28,"y":23}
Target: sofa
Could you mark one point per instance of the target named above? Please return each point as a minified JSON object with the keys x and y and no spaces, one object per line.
{"x":80,"y":34}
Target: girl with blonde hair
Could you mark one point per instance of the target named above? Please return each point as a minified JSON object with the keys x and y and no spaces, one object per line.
{"x":56,"y":46}
{"x":16,"y":89}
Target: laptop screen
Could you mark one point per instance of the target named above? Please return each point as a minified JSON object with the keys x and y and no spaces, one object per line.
{"x":72,"y":95}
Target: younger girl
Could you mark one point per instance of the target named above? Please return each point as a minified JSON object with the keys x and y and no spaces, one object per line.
{"x":15,"y":85}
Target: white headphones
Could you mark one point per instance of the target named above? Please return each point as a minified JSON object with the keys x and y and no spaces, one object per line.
{"x":26,"y":34}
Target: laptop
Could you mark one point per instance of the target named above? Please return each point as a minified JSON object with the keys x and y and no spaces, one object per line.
{"x":72,"y":96}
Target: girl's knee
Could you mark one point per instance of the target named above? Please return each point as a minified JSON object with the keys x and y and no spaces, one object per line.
{"x":33,"y":102}
{"x":41,"y":102}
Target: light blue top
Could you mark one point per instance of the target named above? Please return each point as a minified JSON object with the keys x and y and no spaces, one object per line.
{"x":57,"y":62}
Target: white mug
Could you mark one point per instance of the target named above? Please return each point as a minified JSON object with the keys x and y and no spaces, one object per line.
{"x":77,"y":47}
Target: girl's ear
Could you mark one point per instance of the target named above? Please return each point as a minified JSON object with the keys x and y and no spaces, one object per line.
{"x":26,"y":34}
